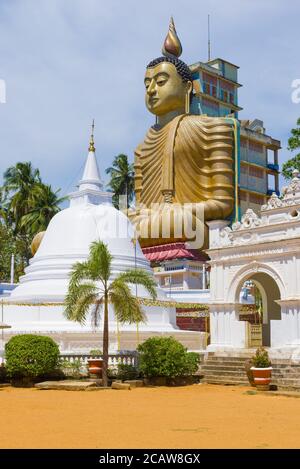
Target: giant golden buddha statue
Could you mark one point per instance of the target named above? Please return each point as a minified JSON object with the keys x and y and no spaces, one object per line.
{"x":184,"y":159}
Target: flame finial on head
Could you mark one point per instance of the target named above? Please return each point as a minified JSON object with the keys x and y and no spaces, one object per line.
{"x":172,"y":45}
{"x":92,"y":143}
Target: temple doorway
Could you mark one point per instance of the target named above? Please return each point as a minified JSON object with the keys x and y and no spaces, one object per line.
{"x":257,"y":296}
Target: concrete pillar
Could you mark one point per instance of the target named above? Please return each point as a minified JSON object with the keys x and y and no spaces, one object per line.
{"x":226,"y":331}
{"x":285,"y":333}
{"x":203,"y":277}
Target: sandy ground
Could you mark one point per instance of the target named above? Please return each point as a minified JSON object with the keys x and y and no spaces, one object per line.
{"x":198,"y":416}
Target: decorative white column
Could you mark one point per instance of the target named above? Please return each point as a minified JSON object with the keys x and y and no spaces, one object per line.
{"x":203,"y":277}
{"x":215,"y":227}
{"x":286,"y":332}
{"x":226,"y":331}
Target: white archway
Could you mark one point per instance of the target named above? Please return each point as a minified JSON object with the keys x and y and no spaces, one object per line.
{"x":247,"y":272}
{"x":265,"y":249}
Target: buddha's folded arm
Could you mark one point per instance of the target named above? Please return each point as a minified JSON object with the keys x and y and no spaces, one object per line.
{"x":197,"y":152}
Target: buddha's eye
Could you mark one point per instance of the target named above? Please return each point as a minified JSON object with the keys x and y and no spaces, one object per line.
{"x":161,"y":81}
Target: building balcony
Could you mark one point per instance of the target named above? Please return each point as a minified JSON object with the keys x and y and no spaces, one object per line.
{"x":270,"y":192}
{"x":273,"y":167}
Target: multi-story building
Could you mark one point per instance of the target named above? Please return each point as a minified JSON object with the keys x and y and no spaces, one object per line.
{"x":216,"y":94}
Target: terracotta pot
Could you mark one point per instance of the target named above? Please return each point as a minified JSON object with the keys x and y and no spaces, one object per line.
{"x":95,"y":367}
{"x":262,"y":376}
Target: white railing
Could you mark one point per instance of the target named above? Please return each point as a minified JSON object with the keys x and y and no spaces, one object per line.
{"x":114,"y":359}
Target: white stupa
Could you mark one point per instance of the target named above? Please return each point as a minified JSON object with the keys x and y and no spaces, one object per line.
{"x":90,"y":217}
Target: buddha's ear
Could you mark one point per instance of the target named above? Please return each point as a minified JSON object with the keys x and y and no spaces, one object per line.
{"x":189,"y":87}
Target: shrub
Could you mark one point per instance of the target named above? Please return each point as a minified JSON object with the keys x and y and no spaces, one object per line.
{"x":165,"y":356}
{"x":96,"y":353}
{"x":3,"y":374}
{"x":261,"y":358}
{"x":127,"y":371}
{"x":30,"y":355}
{"x":71,"y":369}
{"x":192,"y":363}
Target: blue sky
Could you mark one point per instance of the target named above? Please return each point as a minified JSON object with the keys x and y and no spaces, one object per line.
{"x":68,"y":61}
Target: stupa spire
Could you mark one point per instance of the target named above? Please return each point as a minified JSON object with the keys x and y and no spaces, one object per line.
{"x":92,"y":143}
{"x":90,"y":188}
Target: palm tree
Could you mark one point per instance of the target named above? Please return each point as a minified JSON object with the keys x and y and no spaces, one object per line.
{"x":18,"y":184}
{"x":43,"y":205}
{"x":91,"y":287}
{"x":122,"y":179}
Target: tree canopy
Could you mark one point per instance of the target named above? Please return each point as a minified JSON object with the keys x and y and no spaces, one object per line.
{"x":293,"y":144}
{"x":26,"y":208}
{"x":122,"y":179}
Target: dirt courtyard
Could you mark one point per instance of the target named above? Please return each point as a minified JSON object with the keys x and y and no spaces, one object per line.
{"x":198,"y":416}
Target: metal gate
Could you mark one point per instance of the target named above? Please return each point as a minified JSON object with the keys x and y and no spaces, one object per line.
{"x":254,"y":333}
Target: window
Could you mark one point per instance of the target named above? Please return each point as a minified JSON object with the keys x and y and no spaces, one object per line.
{"x":206,"y":88}
{"x":256,"y":199}
{"x":253,"y":146}
{"x":256,"y":172}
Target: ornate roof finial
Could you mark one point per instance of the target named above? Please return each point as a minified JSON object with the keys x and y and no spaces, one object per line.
{"x":172,"y":45}
{"x":92,"y":144}
{"x":295,"y":173}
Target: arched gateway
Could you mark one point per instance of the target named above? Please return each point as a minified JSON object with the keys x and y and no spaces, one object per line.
{"x":266,"y":251}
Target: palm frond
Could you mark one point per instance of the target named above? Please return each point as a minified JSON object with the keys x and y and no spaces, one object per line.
{"x":126,"y":307}
{"x":79,"y":300}
{"x":140,"y":277}
{"x":80,"y":271}
{"x":99,"y":261}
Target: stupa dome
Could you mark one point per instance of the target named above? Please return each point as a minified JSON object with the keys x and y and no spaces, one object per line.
{"x":90,"y":217}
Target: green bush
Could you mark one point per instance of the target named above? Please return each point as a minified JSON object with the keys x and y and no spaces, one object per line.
{"x":127,"y":371}
{"x":261,"y":358}
{"x":3,"y":374}
{"x":96,"y":353}
{"x":30,"y":355}
{"x":71,"y":369}
{"x":165,"y":356}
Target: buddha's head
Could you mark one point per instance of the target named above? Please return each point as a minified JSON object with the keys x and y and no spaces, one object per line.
{"x":168,"y":80}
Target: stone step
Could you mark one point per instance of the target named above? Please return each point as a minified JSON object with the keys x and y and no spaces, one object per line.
{"x":216,"y":380}
{"x":67,"y":385}
{"x":229,"y":377}
{"x":289,"y":388}
{"x":225,"y":373}
{"x":226,"y":359}
{"x":228,"y":363}
{"x":222,"y":367}
{"x":287,"y":382}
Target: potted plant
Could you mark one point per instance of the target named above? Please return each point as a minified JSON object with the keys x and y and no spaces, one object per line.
{"x":261,"y":369}
{"x":95,"y":363}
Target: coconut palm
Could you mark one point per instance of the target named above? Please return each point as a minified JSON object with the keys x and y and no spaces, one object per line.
{"x":19,"y":181}
{"x":91,"y":289}
{"x":43,"y":205}
{"x":122,"y":179}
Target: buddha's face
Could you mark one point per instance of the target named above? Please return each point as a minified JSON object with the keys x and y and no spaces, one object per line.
{"x":165,"y":90}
